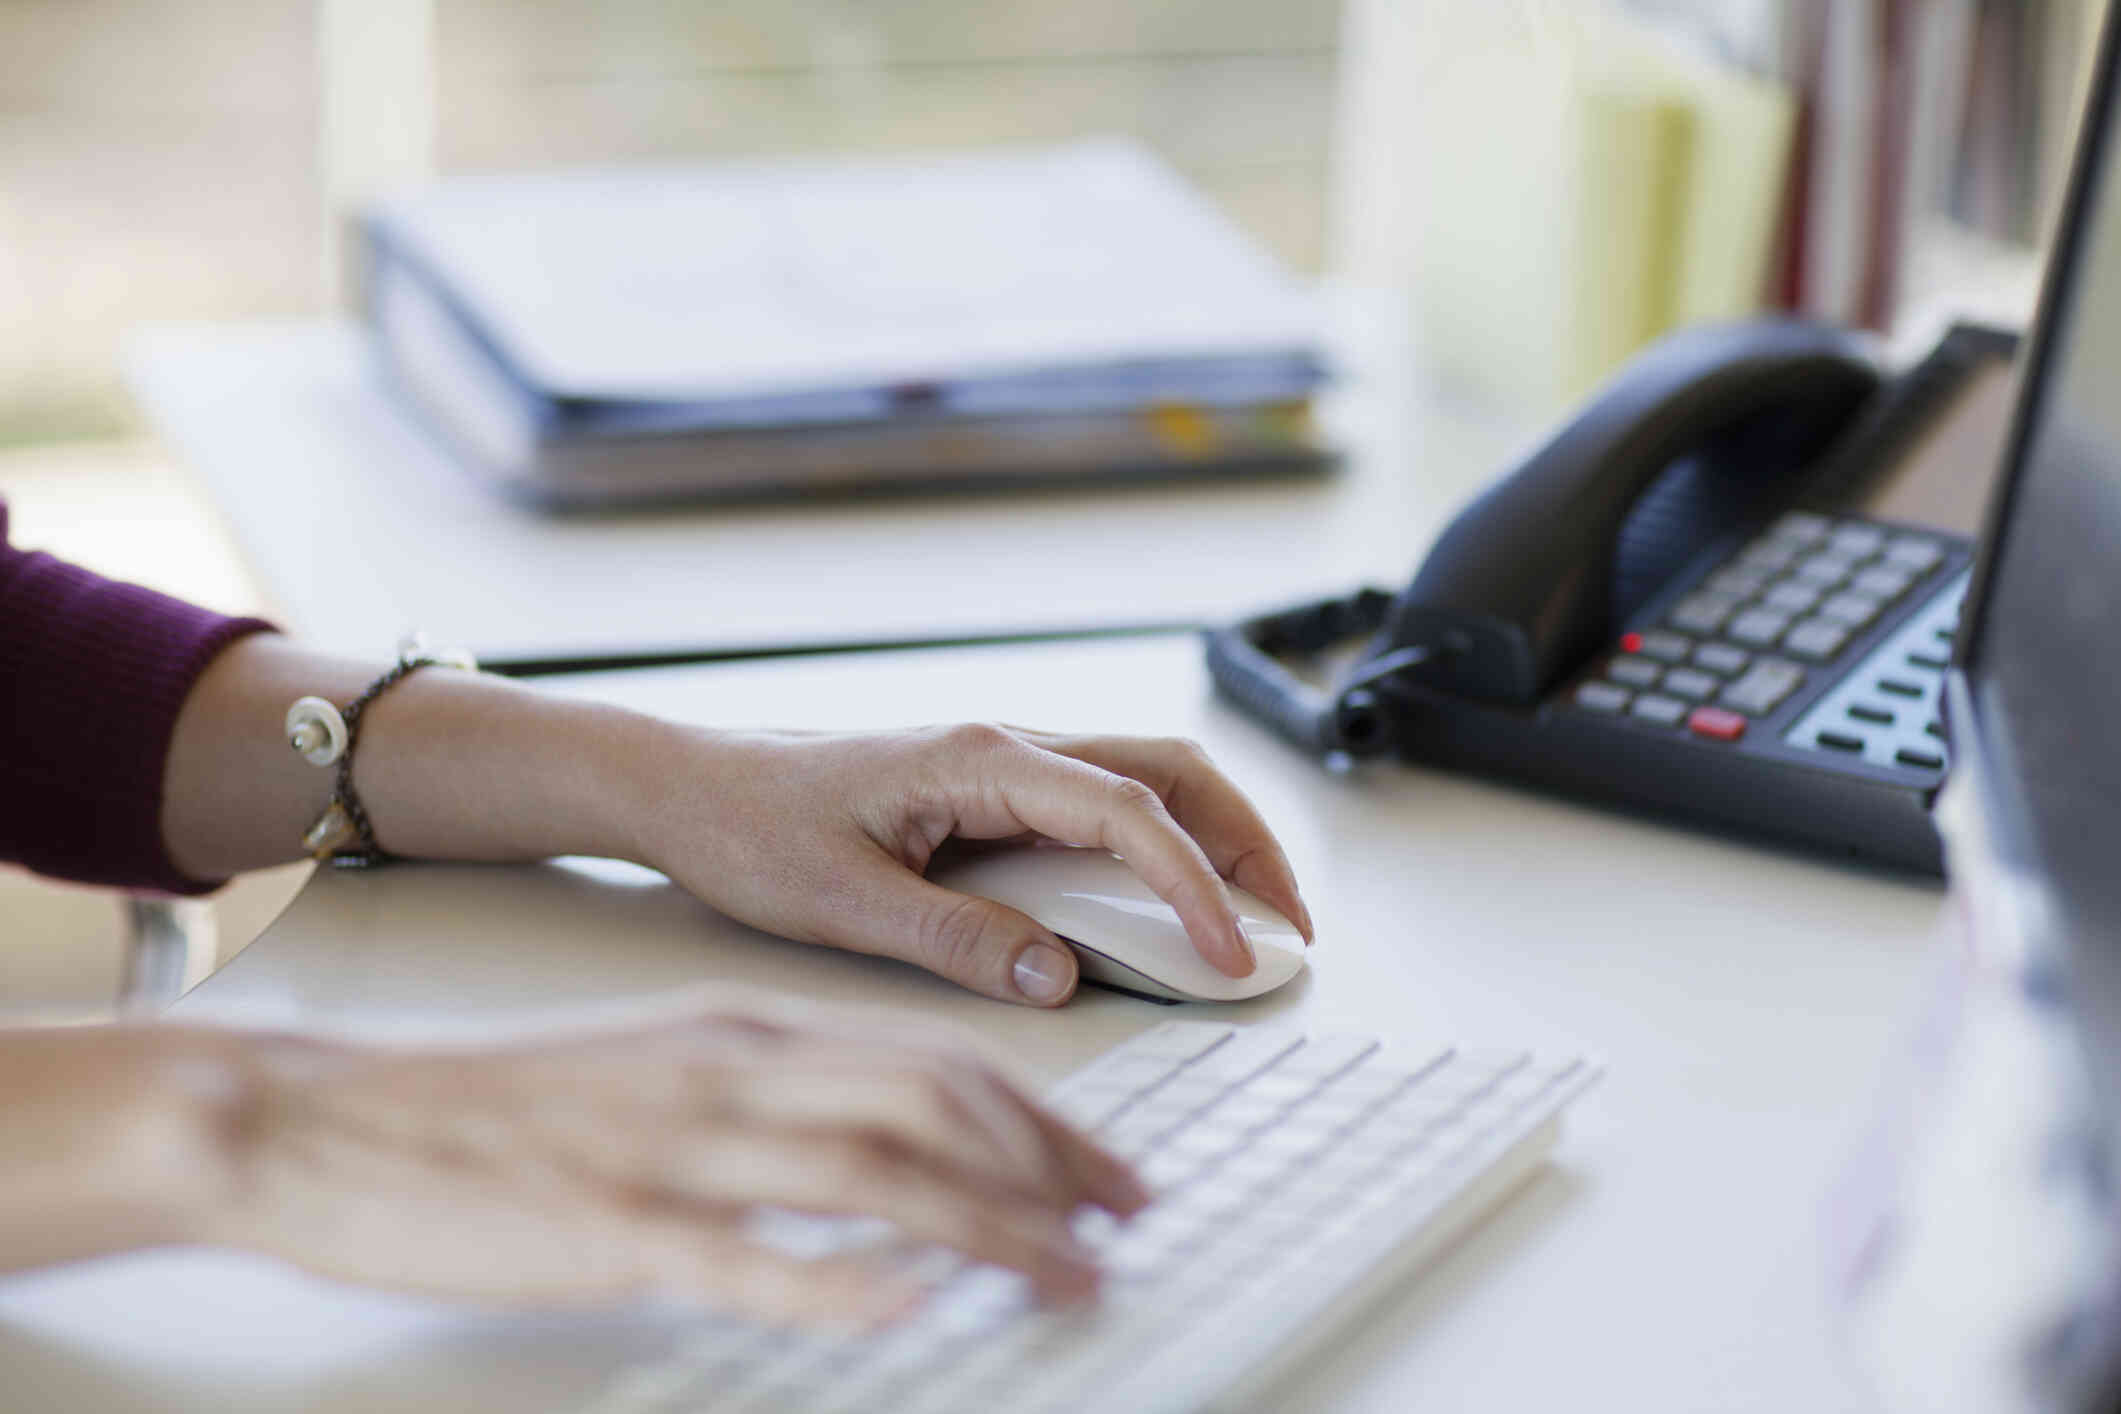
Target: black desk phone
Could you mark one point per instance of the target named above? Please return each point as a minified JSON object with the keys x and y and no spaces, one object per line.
{"x":1700,"y":598}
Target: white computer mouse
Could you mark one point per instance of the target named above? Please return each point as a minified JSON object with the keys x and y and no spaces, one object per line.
{"x":1123,"y":934}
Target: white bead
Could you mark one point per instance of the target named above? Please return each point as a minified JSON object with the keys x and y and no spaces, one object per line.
{"x":316,"y":731}
{"x":415,"y":646}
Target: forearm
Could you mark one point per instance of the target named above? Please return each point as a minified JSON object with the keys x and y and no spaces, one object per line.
{"x":450,"y":765}
{"x":111,"y":1138}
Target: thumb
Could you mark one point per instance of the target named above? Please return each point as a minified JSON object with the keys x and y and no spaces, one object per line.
{"x":975,"y":942}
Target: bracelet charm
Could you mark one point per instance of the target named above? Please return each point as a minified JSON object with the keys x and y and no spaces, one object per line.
{"x":323,"y":735}
{"x":316,"y":730}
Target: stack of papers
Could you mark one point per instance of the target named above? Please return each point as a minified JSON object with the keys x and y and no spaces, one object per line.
{"x":605,"y":336}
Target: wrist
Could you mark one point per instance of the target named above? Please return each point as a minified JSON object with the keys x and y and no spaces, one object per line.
{"x":576,"y":777}
{"x":219,"y":1092}
{"x":649,"y":772}
{"x":118,"y":1137}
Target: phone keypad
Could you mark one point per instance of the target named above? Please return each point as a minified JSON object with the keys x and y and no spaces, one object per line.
{"x":1884,"y":710}
{"x":1780,"y":615}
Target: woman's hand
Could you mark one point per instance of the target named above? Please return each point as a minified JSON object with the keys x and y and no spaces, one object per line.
{"x":630,"y":1163}
{"x":825,"y":839}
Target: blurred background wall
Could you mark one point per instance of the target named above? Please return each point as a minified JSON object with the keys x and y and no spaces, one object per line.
{"x":157,"y":159}
{"x":167,"y":159}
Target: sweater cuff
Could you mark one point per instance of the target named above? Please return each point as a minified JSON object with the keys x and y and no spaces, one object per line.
{"x":93,"y":674}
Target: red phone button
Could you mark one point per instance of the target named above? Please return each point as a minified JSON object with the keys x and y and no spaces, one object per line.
{"x":1716,"y":724}
{"x":1631,"y":643}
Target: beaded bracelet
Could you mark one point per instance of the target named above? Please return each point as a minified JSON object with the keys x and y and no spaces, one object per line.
{"x":323,"y":735}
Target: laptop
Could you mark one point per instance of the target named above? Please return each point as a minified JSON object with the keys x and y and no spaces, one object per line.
{"x":1982,"y":1268}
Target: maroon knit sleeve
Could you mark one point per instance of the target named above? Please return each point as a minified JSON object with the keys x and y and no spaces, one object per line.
{"x":92,"y":674}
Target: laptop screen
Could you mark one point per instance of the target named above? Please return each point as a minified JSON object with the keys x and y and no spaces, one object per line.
{"x":2042,"y":645}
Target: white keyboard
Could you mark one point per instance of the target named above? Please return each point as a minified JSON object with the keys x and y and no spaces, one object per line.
{"x":1295,"y":1179}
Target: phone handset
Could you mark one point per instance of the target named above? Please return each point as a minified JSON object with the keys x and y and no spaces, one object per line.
{"x":1518,"y":589}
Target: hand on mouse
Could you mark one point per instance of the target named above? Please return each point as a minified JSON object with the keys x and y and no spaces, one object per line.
{"x":824,"y":838}
{"x":623,"y":1162}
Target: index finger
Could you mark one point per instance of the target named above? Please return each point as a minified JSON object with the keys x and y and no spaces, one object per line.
{"x":1211,"y":807}
{"x":1078,"y":802}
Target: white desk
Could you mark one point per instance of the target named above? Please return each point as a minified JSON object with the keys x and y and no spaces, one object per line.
{"x":1670,"y":1258}
{"x":360,"y":527}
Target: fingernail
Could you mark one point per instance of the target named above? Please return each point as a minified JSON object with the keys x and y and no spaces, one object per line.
{"x":1243,"y":947}
{"x":1041,"y":973}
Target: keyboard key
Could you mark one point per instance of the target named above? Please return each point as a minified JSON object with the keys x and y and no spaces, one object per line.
{"x":1816,"y":639}
{"x":1666,"y":647}
{"x":1851,"y":609}
{"x":1859,"y":541}
{"x":1841,"y":741}
{"x":1703,"y":613}
{"x":1603,"y":697}
{"x":1250,"y":1052}
{"x":1791,"y":597}
{"x":1664,"y":711}
{"x":1801,"y":526}
{"x":1935,"y":662}
{"x":1722,"y":658}
{"x":1635,"y":672}
{"x":1916,"y":553}
{"x":1916,"y":756}
{"x":1691,"y":683}
{"x":1716,"y":723}
{"x":1181,"y":1040}
{"x":1327,"y":1055}
{"x":1759,"y":627}
{"x":1900,"y":687}
{"x":1883,"y":581}
{"x":1864,"y":712}
{"x":1765,"y":684}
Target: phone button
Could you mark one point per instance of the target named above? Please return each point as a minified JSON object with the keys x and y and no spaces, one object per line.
{"x":1769,"y":681}
{"x":1634,"y":671}
{"x":1883,"y":581}
{"x":1670,"y":647}
{"x":1817,"y":639}
{"x":1602,"y":697}
{"x":1722,"y":658}
{"x":1664,"y":711}
{"x":1703,"y":613}
{"x":1914,"y":553}
{"x":1801,"y":526}
{"x":1691,"y":683}
{"x":1851,"y":610}
{"x":1858,"y":540}
{"x":1759,"y":627}
{"x":1716,"y":724}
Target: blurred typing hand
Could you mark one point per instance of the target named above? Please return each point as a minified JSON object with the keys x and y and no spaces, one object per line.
{"x":630,"y":1163}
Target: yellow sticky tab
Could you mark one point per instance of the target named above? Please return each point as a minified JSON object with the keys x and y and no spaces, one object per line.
{"x":1182,"y":429}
